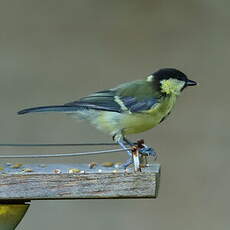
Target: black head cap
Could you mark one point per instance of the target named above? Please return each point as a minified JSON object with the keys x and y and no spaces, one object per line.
{"x":166,"y":73}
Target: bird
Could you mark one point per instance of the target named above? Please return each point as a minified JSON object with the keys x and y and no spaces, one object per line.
{"x":129,"y":108}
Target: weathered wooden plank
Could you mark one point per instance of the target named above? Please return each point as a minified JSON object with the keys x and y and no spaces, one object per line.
{"x":70,"y":181}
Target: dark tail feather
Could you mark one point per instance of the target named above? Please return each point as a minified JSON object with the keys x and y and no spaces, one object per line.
{"x":53,"y":108}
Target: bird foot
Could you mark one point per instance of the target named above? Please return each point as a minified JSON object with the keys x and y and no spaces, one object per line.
{"x":145,"y":150}
{"x":138,"y":155}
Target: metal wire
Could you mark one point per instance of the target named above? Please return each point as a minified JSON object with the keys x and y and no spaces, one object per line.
{"x":63,"y":154}
{"x":58,"y":145}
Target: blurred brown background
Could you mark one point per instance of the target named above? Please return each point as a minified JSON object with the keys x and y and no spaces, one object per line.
{"x":52,"y":52}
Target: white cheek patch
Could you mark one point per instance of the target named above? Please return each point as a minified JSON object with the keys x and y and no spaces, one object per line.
{"x":172,"y":86}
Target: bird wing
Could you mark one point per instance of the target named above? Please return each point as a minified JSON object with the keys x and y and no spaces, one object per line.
{"x":134,"y":105}
{"x":129,"y":97}
{"x":132,"y":97}
{"x":102,"y":100}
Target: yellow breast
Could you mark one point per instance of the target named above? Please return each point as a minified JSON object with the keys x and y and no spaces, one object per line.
{"x":112,"y":122}
{"x":140,"y":122}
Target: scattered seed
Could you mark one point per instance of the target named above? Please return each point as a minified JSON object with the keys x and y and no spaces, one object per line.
{"x":74,"y":170}
{"x":57,"y":171}
{"x":16,"y":166}
{"x":92,"y":165}
{"x":117,"y":165}
{"x":107,"y":164}
{"x":27,"y":170}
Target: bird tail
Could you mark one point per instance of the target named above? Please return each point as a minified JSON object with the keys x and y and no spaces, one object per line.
{"x":52,"y":108}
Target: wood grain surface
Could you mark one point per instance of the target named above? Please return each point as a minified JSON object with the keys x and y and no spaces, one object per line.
{"x":71,"y":181}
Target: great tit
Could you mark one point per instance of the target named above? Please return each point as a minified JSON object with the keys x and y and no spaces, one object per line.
{"x":129,"y":108}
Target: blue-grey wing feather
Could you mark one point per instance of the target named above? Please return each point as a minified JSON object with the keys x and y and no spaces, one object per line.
{"x":134,"y":105}
{"x":106,"y":100}
{"x":100,"y":100}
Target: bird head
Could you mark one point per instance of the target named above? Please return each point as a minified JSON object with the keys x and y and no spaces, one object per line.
{"x":170,"y":81}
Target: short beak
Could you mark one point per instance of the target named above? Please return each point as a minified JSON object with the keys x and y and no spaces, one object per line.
{"x":190,"y":83}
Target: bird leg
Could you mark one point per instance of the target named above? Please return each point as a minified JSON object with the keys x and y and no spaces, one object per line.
{"x":130,"y":159}
{"x":119,"y":138}
{"x":128,"y":142}
{"x":124,"y":147}
{"x":139,"y":150}
{"x":133,"y":156}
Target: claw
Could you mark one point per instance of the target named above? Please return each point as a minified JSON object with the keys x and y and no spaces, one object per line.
{"x":145,"y":150}
{"x":140,"y":152}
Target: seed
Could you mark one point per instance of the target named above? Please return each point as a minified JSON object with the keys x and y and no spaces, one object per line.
{"x":27,"y":170}
{"x":92,"y":165}
{"x":16,"y":166}
{"x":74,"y":170}
{"x":107,"y":164}
{"x":57,"y":171}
